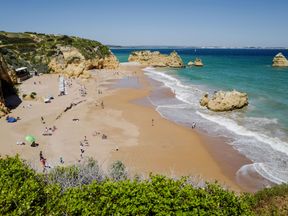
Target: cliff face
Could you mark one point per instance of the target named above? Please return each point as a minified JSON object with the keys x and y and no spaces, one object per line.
{"x":7,"y":80}
{"x":70,"y":61}
{"x":156,"y":59}
{"x":225,"y":101}
{"x":280,"y":61}
{"x":60,"y":54}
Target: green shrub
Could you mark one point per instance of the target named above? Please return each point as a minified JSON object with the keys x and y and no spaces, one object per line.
{"x":270,"y":201}
{"x":22,"y":191}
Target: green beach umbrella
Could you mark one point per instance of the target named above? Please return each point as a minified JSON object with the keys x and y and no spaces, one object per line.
{"x":30,"y":138}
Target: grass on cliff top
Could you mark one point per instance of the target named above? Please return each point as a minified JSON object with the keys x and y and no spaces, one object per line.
{"x":38,"y":44}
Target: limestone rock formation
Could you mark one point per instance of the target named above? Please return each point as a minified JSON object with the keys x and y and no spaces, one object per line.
{"x":7,"y":81}
{"x":198,"y":62}
{"x":225,"y":101}
{"x":71,"y":62}
{"x":280,"y":61}
{"x":156,"y":59}
{"x":204,"y":100}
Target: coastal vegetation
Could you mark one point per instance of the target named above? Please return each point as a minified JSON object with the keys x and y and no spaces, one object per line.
{"x":84,"y":189}
{"x":35,"y":50}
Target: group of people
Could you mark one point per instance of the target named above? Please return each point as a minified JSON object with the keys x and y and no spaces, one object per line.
{"x":95,"y":133}
{"x":49,"y":131}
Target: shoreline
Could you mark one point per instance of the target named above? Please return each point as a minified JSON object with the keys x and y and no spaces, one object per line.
{"x":166,"y":148}
{"x":142,"y":103}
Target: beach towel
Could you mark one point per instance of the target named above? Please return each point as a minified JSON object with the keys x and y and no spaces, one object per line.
{"x":11,"y":120}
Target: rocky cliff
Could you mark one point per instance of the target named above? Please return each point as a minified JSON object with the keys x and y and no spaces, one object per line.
{"x":280,"y":61}
{"x":56,"y":53}
{"x":71,"y":62}
{"x":225,"y":101}
{"x":156,"y":59}
{"x":7,"y":81}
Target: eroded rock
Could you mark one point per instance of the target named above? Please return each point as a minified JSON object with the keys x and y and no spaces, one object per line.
{"x":280,"y":61}
{"x":69,"y":61}
{"x":156,"y":59}
{"x":225,"y":101}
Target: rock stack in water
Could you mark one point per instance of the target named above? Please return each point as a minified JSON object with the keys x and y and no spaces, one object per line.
{"x":198,"y":62}
{"x":280,"y":61}
{"x":225,"y":101}
{"x":156,"y":59}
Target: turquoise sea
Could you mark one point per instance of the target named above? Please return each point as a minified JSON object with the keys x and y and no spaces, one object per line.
{"x":260,"y":131}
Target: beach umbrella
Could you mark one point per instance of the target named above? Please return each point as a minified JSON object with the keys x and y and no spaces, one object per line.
{"x":30,"y":138}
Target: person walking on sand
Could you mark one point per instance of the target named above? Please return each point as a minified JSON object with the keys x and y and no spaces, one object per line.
{"x":43,"y":162}
{"x":102,"y":105}
{"x":152,"y":122}
{"x":42,"y":120}
{"x":41,"y":155}
{"x":193,"y":125}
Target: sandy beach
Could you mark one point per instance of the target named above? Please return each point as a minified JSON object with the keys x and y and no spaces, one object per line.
{"x":125,"y":120}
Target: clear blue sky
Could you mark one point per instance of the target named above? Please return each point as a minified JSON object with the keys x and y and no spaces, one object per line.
{"x":154,"y":22}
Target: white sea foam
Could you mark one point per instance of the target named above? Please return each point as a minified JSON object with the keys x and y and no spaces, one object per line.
{"x":231,"y":125}
{"x":182,"y":92}
{"x":246,"y":170}
{"x":263,"y":121}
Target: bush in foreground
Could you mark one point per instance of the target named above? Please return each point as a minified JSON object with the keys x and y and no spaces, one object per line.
{"x":24,"y":192}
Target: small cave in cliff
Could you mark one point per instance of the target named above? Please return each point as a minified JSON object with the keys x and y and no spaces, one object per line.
{"x":9,"y":94}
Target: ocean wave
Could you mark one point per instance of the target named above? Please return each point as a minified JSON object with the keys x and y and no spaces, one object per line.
{"x":231,"y":125}
{"x":246,"y":172}
{"x":263,"y":120}
{"x":182,"y":92}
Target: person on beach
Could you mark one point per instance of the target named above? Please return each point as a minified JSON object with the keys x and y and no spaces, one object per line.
{"x":42,"y":120}
{"x":61,"y":160}
{"x":43,"y":162}
{"x":54,"y":128}
{"x":193,"y":125}
{"x":46,"y":131}
{"x":81,"y":147}
{"x":102,"y":105}
{"x":86,"y":141}
{"x":152,"y":122}
{"x":41,"y":155}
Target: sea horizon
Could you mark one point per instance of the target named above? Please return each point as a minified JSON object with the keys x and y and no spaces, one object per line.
{"x":192,"y":47}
